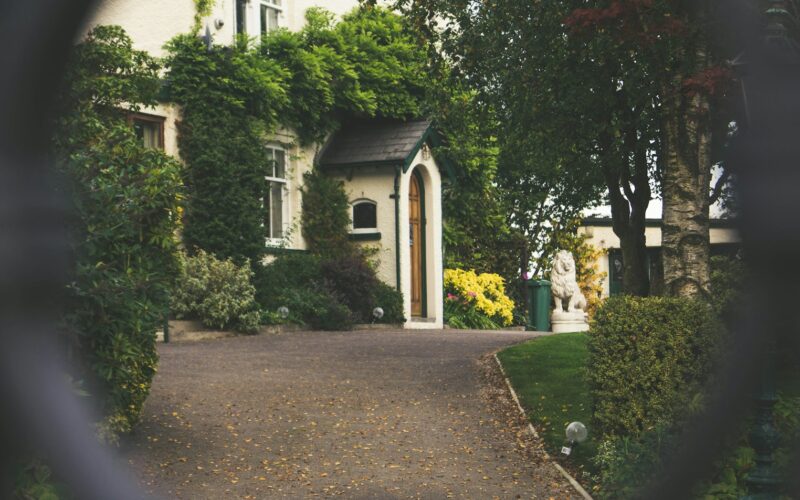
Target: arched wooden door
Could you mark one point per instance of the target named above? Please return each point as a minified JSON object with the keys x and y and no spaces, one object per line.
{"x":416,"y":218}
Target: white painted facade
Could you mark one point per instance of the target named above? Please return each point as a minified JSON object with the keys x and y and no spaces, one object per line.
{"x":152,"y":23}
{"x":376,"y":184}
{"x":603,"y":237}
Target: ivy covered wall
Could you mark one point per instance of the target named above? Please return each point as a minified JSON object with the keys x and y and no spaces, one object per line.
{"x":234,"y":97}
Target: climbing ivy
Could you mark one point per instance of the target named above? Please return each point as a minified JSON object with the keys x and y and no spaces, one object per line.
{"x":202,"y":8}
{"x":310,"y":81}
{"x":231,"y":98}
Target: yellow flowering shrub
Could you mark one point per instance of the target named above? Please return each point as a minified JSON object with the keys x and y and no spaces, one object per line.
{"x":486,"y":292}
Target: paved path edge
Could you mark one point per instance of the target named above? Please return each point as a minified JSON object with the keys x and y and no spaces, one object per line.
{"x":575,"y":484}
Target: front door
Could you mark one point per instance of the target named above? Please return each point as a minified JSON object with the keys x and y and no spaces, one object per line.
{"x":415,"y":218}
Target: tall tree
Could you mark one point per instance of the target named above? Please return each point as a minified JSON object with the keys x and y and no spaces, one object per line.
{"x":571,"y":117}
{"x":688,"y":81}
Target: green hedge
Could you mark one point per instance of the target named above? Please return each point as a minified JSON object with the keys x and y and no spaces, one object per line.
{"x":648,"y":360}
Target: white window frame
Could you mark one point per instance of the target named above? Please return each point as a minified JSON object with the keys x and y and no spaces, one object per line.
{"x":363,"y":230}
{"x":269,"y":4}
{"x":252,"y":18}
{"x":285,"y":211}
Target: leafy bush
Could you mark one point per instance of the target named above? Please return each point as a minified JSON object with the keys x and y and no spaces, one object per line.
{"x":648,"y":360}
{"x":353,"y":280}
{"x":296,"y":281}
{"x":484,"y":293}
{"x":626,"y":464}
{"x":391,"y":301}
{"x":325,"y":217}
{"x":459,"y":313}
{"x":126,"y":201}
{"x":217,"y":292}
{"x":34,"y":481}
{"x":728,"y":275}
{"x":316,"y":307}
{"x":327,"y":294}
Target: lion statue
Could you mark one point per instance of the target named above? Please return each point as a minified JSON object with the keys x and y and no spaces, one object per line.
{"x":566,"y":292}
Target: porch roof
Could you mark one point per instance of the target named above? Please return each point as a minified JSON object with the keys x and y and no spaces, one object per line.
{"x":378,"y":142}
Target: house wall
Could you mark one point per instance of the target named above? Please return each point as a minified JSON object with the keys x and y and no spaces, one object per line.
{"x":377,"y":184}
{"x":603,"y":237}
{"x":151,"y":23}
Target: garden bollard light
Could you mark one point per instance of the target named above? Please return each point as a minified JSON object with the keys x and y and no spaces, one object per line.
{"x":576,"y":434}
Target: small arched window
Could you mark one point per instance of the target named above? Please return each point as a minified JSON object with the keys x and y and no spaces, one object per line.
{"x":365,"y":216}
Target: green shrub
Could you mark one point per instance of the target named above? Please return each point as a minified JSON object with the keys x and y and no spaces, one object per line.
{"x":325,"y":217}
{"x":217,"y":292}
{"x":461,"y":314}
{"x":327,"y":294}
{"x":34,"y":481}
{"x":626,"y":464}
{"x":296,"y":281}
{"x":318,"y":308}
{"x":728,"y":276}
{"x":352,"y":279}
{"x":125,"y":199}
{"x":648,"y":360}
{"x":391,"y":301}
{"x":287,"y":271}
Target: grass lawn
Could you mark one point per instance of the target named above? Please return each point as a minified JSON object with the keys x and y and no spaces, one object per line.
{"x":548,"y":375}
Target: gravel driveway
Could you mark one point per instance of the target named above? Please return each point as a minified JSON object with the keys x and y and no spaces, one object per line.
{"x":366,"y":414}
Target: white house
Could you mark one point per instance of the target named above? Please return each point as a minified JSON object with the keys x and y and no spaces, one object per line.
{"x":722,"y":233}
{"x":391,"y":178}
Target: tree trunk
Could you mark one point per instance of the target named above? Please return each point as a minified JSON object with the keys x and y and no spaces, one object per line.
{"x":628,"y":207}
{"x":685,"y":188}
{"x":635,"y":278}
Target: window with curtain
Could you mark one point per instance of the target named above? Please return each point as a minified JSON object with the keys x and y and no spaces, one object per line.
{"x":270,"y":15}
{"x":149,"y":129}
{"x":275,"y":202}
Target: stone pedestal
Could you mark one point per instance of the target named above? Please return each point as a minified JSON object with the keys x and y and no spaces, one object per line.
{"x":564,"y":322}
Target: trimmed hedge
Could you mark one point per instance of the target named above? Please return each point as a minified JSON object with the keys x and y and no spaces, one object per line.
{"x":648,"y":360}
